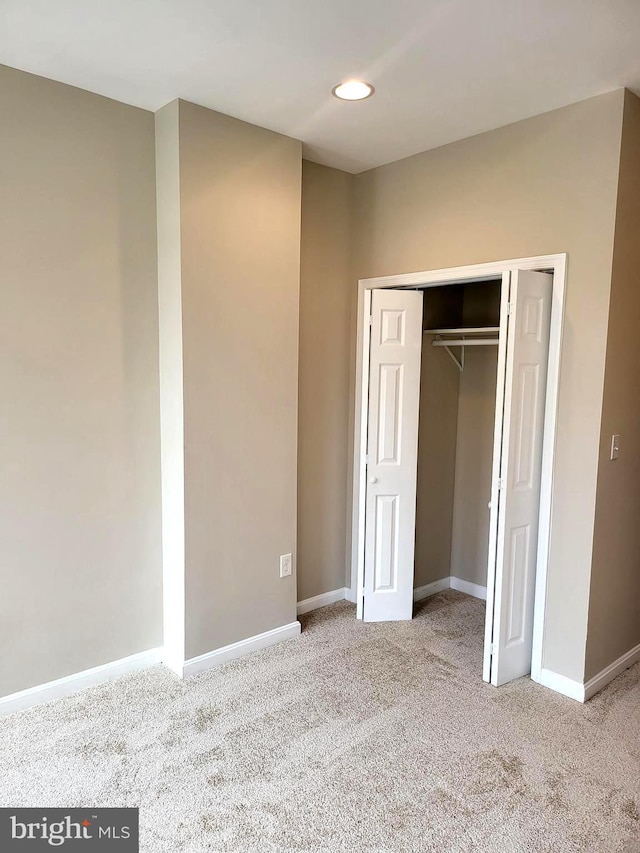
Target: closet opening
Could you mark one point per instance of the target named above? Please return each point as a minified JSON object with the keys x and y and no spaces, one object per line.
{"x":457,"y":383}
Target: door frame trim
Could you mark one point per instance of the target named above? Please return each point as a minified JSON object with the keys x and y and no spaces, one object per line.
{"x":557,"y":265}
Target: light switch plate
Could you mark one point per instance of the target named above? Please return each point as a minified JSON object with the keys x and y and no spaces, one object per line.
{"x":286,"y":567}
{"x":615,"y":446}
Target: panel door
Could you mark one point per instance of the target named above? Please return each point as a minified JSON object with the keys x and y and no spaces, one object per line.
{"x":392,"y":454}
{"x":520,"y":468}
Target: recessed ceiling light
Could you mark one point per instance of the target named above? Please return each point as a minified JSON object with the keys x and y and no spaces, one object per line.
{"x":353,"y":90}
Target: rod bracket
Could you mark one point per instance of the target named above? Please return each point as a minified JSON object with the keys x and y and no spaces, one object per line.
{"x":459,"y":362}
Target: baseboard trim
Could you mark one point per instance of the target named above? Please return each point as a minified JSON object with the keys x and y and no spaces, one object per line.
{"x":350,"y":595}
{"x":210,"y":660}
{"x":583,"y":692}
{"x":419,"y":593}
{"x":51,"y":690}
{"x":562,"y":684}
{"x":429,"y":589}
{"x":322,"y":600}
{"x":468,"y":588}
{"x":595,"y":684}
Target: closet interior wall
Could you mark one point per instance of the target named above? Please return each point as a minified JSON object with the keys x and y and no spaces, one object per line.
{"x":455,"y":440}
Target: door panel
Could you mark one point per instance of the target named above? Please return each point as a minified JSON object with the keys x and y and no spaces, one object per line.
{"x":392,"y":441}
{"x":389,"y":415}
{"x":386,"y":552}
{"x":520,"y":467}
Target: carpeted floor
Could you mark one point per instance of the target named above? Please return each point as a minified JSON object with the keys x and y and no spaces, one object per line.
{"x":353,"y":737}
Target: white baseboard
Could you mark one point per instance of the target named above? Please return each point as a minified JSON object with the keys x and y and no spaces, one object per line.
{"x":210,"y":660}
{"x":322,"y":600}
{"x":583,"y":692}
{"x":350,"y":595}
{"x":595,"y":684}
{"x":421,"y":592}
{"x":469,"y":588}
{"x":562,"y":684}
{"x":78,"y":681}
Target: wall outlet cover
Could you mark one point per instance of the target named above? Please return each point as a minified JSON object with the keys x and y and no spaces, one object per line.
{"x":286,"y":565}
{"x":615,"y":446}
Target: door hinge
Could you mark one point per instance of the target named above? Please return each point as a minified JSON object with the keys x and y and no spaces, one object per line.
{"x":500,"y":484}
{"x":509,"y":307}
{"x":371,"y":321}
{"x":366,"y":459}
{"x":492,"y":649}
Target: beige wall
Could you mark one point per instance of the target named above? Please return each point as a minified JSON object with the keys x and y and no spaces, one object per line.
{"x":240,"y":257}
{"x":79,"y":442}
{"x":80,"y":491}
{"x":614,"y":607}
{"x":323,"y":439}
{"x":544,"y":185}
{"x":474,"y":458}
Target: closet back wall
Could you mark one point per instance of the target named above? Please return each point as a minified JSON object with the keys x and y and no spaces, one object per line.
{"x":474,"y":444}
{"x":437,"y":430}
{"x":474,"y":457}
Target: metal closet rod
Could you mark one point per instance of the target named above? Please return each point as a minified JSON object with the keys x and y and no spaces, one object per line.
{"x":462,"y":342}
{"x":463,"y":330}
{"x":466,"y":342}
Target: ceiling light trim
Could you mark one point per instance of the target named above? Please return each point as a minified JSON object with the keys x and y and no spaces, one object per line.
{"x":360,"y":90}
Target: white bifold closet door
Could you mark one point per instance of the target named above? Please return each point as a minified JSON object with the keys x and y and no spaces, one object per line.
{"x":392,"y":454}
{"x":513,"y":555}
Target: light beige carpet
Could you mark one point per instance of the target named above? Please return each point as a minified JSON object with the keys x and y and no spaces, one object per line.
{"x":353,"y":737}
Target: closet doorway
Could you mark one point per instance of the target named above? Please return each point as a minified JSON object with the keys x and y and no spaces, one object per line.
{"x":455,"y":429}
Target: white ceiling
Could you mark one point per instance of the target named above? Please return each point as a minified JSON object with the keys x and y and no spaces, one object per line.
{"x":443,"y":69}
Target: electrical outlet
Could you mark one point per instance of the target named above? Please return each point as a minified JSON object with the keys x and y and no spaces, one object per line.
{"x":615,"y":446}
{"x":285,"y":565}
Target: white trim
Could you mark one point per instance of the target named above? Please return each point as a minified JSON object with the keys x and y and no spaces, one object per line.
{"x":348,"y":594}
{"x":556,"y":263}
{"x":210,"y":660}
{"x":562,"y":684}
{"x":560,"y":272}
{"x":171,"y":377}
{"x":321,"y":600}
{"x":458,"y":275}
{"x":430,"y":589}
{"x":419,"y":593}
{"x":595,"y":684}
{"x":363,"y":336}
{"x":474,"y":589}
{"x":498,"y":425}
{"x":78,"y":681}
